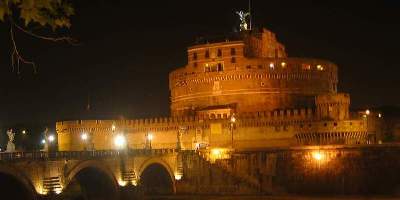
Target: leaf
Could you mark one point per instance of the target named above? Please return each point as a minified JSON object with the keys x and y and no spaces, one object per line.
{"x":4,"y":10}
{"x":54,"y":13}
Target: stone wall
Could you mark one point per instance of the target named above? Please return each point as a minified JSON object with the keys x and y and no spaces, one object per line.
{"x":347,"y":170}
{"x":251,"y":130}
{"x":252,"y":85}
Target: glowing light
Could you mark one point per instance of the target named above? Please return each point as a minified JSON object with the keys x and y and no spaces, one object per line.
{"x":119,"y":141}
{"x":122,"y":183}
{"x":84,"y":136}
{"x":317,"y":155}
{"x":178,"y":176}
{"x":43,"y":141}
{"x":24,"y":132}
{"x":216,"y":152}
{"x":379,"y":115}
{"x":367,"y":112}
{"x":233,"y":119}
{"x":271,"y":65}
{"x":320,"y":67}
{"x":42,"y":191}
{"x":113,"y":127}
{"x":219,"y":153}
{"x":134,"y":182}
{"x":283,"y":64}
{"x":150,"y":136}
{"x":51,"y":138}
{"x":58,"y":190}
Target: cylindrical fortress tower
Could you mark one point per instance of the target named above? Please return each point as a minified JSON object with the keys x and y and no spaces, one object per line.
{"x":248,"y":73}
{"x":333,"y":106}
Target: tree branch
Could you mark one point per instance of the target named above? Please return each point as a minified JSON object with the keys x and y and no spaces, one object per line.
{"x":16,"y":56}
{"x":69,"y":40}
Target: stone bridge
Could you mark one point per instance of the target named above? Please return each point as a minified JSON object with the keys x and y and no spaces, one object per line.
{"x":52,"y":173}
{"x":358,"y":169}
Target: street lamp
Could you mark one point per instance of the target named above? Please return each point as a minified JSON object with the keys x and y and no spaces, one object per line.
{"x":120,"y":141}
{"x":232,"y":123}
{"x":150,"y":138}
{"x":51,"y":138}
{"x":367,"y":113}
{"x":84,"y":136}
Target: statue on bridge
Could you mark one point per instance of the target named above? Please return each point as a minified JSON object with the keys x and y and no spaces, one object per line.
{"x":10,"y":144}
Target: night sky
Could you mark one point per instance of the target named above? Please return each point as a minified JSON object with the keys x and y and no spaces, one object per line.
{"x":127,"y":49}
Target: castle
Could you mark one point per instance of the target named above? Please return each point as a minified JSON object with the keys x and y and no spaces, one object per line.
{"x":236,"y":92}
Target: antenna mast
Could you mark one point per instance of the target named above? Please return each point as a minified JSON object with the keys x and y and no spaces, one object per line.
{"x":250,"y":14}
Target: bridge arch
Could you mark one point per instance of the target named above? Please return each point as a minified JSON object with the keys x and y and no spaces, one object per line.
{"x":21,"y":179}
{"x":157,"y":164}
{"x":97,"y":178}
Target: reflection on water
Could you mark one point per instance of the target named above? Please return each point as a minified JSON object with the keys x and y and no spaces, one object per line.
{"x":194,"y":197}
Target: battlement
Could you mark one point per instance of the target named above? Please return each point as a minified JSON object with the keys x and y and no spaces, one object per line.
{"x":277,"y":115}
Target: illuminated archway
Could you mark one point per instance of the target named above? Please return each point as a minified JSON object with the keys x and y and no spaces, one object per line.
{"x":156,"y":178}
{"x":91,"y":180}
{"x":14,"y":184}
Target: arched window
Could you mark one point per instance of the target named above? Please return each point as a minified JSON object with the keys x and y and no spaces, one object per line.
{"x":207,"y":54}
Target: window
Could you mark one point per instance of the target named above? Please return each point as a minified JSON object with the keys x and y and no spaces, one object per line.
{"x":233,"y":60}
{"x":219,"y":53}
{"x":213,"y":67}
{"x":248,"y":66}
{"x":219,"y":67}
{"x":233,"y":51}
{"x":259,"y":66}
{"x":194,"y":56}
{"x":207,"y":54}
{"x":195,"y":64}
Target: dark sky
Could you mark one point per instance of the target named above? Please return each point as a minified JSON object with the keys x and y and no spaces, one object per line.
{"x":127,"y":49}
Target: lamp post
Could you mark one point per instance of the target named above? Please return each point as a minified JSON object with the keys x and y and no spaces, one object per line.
{"x":149,"y":138}
{"x":367,"y":113}
{"x":84,"y":138}
{"x":50,"y":142}
{"x":232,"y":125}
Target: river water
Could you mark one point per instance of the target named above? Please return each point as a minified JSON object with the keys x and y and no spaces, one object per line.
{"x":185,"y":197}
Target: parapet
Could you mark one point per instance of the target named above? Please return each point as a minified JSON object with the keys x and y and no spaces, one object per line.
{"x":287,"y":115}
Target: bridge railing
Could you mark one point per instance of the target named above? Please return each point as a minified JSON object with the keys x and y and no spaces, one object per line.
{"x":40,"y":155}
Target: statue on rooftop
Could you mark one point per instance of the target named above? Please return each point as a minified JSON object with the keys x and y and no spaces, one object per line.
{"x":243,"y":21}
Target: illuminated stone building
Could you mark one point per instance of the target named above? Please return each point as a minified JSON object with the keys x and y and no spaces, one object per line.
{"x":240,"y":91}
